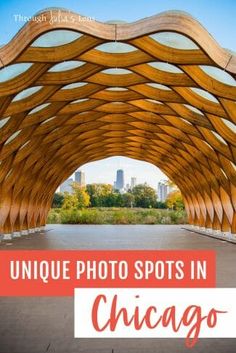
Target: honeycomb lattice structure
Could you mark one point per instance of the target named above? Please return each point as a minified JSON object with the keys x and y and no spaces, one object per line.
{"x":159,"y":90}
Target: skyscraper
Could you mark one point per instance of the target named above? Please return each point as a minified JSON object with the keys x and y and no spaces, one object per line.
{"x":162,"y":191}
{"x":133,"y":182}
{"x":120,"y":179}
{"x":80,"y":177}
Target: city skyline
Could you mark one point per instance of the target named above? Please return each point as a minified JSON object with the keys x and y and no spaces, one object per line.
{"x":163,"y":187}
{"x":141,"y":171}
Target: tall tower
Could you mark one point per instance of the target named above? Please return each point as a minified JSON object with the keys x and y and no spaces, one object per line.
{"x":80,"y":177}
{"x":133,"y":182}
{"x":120,"y":179}
{"x":162,"y":190}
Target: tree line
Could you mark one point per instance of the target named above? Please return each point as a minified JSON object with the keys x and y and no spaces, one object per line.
{"x":103,"y":195}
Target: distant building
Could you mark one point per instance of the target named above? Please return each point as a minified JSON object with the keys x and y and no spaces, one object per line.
{"x":66,"y":186}
{"x":163,"y":190}
{"x":127,"y":187}
{"x":133,"y":182}
{"x":120,"y":182}
{"x":80,"y":177}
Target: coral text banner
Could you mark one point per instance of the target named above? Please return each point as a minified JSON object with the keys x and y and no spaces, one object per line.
{"x":58,"y":273}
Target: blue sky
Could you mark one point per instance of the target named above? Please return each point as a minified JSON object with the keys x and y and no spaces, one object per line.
{"x":219,"y":17}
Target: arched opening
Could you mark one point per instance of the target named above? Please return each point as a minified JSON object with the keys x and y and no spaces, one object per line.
{"x":165,"y":95}
{"x":117,"y":190}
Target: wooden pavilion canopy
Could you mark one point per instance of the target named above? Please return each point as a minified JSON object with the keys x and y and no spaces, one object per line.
{"x":160,"y":90}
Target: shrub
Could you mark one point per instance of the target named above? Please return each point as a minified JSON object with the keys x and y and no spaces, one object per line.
{"x":54,"y":216}
{"x":70,"y":216}
{"x":150,"y":220}
{"x":116,"y":216}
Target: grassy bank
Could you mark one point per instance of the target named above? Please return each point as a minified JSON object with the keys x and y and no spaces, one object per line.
{"x":116,"y":216}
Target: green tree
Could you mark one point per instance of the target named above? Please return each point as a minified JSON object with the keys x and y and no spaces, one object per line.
{"x":81,"y":194}
{"x":113,"y":199}
{"x":128,"y":199}
{"x":70,"y":201}
{"x":57,"y":201}
{"x":118,"y":198}
{"x":175,"y":200}
{"x":161,"y":204}
{"x":99,"y":194}
{"x":145,"y":196}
